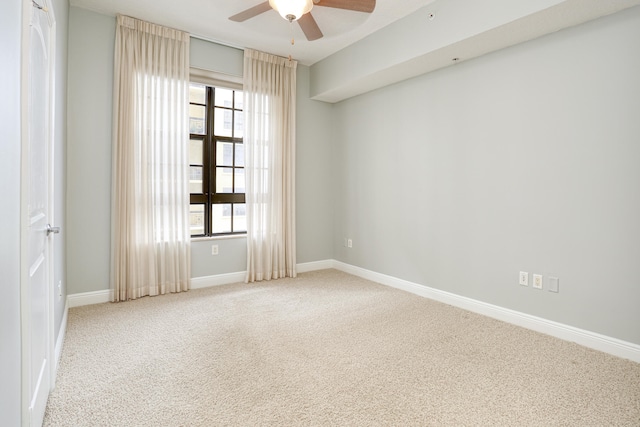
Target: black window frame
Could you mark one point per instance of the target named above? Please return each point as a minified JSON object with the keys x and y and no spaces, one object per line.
{"x":209,"y":197}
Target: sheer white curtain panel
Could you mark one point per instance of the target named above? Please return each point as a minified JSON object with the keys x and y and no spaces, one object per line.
{"x":150,"y":239}
{"x":269,"y":138}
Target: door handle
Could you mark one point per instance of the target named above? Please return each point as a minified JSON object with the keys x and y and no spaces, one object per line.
{"x":54,"y":230}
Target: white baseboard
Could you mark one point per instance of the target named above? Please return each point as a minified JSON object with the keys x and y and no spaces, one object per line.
{"x":589,"y":339}
{"x":314,"y":266}
{"x":239,"y":277}
{"x":585,"y":338}
{"x":99,"y":297}
{"x":89,"y":298}
{"x":217,"y":280}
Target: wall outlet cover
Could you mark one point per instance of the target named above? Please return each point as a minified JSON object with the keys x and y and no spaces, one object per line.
{"x":537,"y":281}
{"x":524,"y":278}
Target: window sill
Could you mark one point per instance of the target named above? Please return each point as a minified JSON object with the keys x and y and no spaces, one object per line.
{"x":209,"y":238}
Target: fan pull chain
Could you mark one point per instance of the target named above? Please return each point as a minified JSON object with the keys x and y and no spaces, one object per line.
{"x":291,"y":31}
{"x":293,"y":42}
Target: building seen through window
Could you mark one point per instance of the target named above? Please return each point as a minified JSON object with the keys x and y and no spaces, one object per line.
{"x":216,"y":153}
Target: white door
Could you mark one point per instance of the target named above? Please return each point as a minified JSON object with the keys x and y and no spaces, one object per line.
{"x":37,"y":145}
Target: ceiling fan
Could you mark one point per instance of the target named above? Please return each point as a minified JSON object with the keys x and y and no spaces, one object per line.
{"x":299,"y":10}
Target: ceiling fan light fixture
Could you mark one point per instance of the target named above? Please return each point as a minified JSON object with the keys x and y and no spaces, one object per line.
{"x":291,"y":10}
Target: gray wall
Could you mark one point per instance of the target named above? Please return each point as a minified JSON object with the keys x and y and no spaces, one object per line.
{"x":215,"y":57}
{"x":91,"y":43}
{"x":314,"y":157}
{"x":10,"y":27}
{"x":524,"y":159}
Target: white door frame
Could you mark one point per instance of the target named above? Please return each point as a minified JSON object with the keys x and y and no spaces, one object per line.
{"x":26,"y":331}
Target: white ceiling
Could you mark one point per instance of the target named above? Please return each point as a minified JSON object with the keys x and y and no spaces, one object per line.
{"x":268,"y":32}
{"x":431,"y":37}
{"x":361,"y":52}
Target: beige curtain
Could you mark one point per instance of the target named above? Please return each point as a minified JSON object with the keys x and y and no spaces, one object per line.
{"x":269,"y":138}
{"x":150,"y":241}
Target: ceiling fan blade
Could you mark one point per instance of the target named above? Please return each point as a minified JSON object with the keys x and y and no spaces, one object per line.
{"x":251,"y":12}
{"x":357,"y":5}
{"x":310,"y":27}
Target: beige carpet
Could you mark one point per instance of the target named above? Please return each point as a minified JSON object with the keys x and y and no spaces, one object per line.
{"x":326,"y":348}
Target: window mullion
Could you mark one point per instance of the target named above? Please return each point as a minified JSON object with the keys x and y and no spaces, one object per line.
{"x":209,"y":159}
{"x":233,"y":154}
{"x":210,"y":153}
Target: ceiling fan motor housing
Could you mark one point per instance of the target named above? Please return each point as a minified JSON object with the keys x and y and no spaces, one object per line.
{"x":298,"y":10}
{"x":291,"y":10}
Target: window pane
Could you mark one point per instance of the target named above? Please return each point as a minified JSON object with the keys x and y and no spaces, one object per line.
{"x":239,"y":155}
{"x":239,"y":183}
{"x":195,"y":152}
{"x":221,"y":218}
{"x":239,"y":217}
{"x":224,"y":153}
{"x":196,"y":219}
{"x":225,"y":166}
{"x":195,"y":179}
{"x":239,"y":100}
{"x":223,"y":98}
{"x":197,"y":93}
{"x":222,"y":122}
{"x":197,"y":120}
{"x":224,"y":180}
{"x":238,"y":124}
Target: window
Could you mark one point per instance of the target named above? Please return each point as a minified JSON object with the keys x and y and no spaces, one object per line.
{"x":216,"y":157}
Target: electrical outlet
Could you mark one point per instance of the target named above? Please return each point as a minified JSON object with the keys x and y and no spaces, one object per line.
{"x":59,"y":288}
{"x":214,"y":249}
{"x":349,"y":243}
{"x":524,"y":278}
{"x":537,"y":281}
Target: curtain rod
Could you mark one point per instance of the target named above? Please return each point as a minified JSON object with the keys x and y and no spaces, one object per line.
{"x":208,"y":39}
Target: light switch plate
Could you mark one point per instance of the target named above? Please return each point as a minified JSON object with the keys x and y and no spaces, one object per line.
{"x":554,"y":284}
